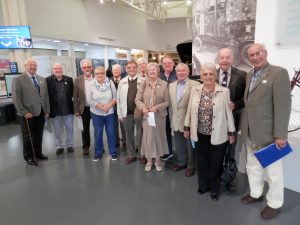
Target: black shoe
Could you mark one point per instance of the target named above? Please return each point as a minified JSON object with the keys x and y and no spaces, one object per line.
{"x":230,"y":187}
{"x":59,"y":151}
{"x":42,"y":157}
{"x":117,"y":145}
{"x":167,"y":157}
{"x":201,"y":191}
{"x":70,"y":149}
{"x":214,"y":196}
{"x":32,"y":162}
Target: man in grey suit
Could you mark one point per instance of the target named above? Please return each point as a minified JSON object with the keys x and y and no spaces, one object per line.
{"x":30,"y":97}
{"x":179,"y":92}
{"x":264,"y":121}
{"x":235,"y":80}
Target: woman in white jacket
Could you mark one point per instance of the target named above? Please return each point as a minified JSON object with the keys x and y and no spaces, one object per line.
{"x":209,"y":122}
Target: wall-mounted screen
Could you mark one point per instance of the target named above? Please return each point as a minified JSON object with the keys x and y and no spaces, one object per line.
{"x":8,"y":81}
{"x":15,"y":37}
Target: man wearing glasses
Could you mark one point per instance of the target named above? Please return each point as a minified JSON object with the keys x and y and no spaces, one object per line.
{"x":81,"y":107}
{"x":264,"y":121}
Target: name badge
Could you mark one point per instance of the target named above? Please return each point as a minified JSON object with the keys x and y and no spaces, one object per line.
{"x":264,"y":81}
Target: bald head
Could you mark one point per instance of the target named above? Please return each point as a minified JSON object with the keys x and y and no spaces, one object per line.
{"x":30,"y":66}
{"x":225,"y":58}
{"x":57,"y":70}
{"x":257,"y":55}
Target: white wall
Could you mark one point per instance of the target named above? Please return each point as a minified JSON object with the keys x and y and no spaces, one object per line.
{"x":86,"y":20}
{"x":288,"y":57}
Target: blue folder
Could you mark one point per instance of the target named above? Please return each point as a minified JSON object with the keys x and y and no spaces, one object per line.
{"x":270,"y":154}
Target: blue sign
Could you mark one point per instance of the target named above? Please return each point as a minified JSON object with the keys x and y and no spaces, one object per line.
{"x":15,"y":37}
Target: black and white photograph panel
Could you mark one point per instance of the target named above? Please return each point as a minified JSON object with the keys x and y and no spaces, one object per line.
{"x":222,"y":24}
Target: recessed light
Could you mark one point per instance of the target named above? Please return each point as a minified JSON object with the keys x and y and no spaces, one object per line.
{"x":56,"y":41}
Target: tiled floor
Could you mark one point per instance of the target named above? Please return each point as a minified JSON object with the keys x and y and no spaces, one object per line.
{"x":72,"y":189}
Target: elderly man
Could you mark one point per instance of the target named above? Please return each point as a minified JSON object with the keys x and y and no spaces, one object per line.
{"x":264,"y":121}
{"x":126,"y":94}
{"x":179,"y":92}
{"x":81,"y":106}
{"x":116,"y":78}
{"x":60,"y":88}
{"x":30,"y":97}
{"x":235,"y":80}
{"x":168,"y":74}
{"x":142,"y":67}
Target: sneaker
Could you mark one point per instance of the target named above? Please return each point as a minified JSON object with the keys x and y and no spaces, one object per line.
{"x":114,"y":157}
{"x":148,"y":167}
{"x":158,"y":167}
{"x":167,"y":157}
{"x":70,"y":149}
{"x":96,"y":158}
{"x":59,"y":151}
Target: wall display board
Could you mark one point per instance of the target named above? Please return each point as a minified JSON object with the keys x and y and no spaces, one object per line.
{"x":4,"y":66}
{"x":14,"y":37}
{"x":95,"y":63}
{"x":8,"y":81}
{"x":288,"y":23}
{"x":219,"y":24}
{"x":3,"y":92}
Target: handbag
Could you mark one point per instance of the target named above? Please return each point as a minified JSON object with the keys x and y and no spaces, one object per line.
{"x":229,"y":169}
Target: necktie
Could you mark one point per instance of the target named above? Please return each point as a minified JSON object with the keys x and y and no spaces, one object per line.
{"x":253,"y":80}
{"x":37,"y":86}
{"x":224,"y":81}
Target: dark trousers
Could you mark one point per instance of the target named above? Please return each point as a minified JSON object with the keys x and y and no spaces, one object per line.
{"x":169,"y":134}
{"x":209,"y":163}
{"x":86,"y":119}
{"x":36,"y":127}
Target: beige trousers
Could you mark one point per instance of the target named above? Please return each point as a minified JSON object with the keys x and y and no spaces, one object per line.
{"x":256,"y":174}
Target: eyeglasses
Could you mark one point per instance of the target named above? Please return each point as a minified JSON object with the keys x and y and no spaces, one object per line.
{"x":259,"y":53}
{"x":86,"y":67}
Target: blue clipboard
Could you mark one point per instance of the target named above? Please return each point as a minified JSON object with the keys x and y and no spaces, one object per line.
{"x":270,"y":154}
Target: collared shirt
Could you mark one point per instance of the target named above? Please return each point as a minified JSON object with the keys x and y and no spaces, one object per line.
{"x":255,"y":76}
{"x":222,"y":75}
{"x":86,"y":88}
{"x":179,"y":89}
{"x":60,"y":89}
{"x":131,"y":79}
{"x":33,"y":75}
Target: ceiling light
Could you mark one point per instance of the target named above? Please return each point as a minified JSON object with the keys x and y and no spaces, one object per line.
{"x":101,"y":1}
{"x":164,"y":2}
{"x":86,"y":44}
{"x":56,"y":41}
{"x":188,"y":2}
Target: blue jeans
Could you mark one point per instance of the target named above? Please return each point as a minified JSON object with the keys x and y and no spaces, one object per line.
{"x":99,"y":122}
{"x":58,"y":122}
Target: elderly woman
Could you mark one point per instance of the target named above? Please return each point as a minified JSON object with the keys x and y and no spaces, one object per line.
{"x":209,"y":122}
{"x":101,"y":96}
{"x":153,"y":99}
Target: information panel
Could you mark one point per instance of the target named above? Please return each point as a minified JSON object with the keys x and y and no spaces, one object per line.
{"x":288,"y":23}
{"x":15,"y":37}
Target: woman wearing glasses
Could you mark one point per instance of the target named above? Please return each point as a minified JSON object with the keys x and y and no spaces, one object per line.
{"x":101,"y":96}
{"x":209,"y":122}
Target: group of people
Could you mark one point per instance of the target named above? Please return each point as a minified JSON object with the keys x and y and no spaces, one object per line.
{"x":152,"y":103}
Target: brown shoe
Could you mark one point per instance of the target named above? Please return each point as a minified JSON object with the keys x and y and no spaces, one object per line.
{"x":178,"y":167}
{"x":269,"y":213}
{"x":189,"y":172}
{"x":85,"y":151}
{"x":130,"y":160}
{"x":143,"y":160}
{"x":249,"y":200}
